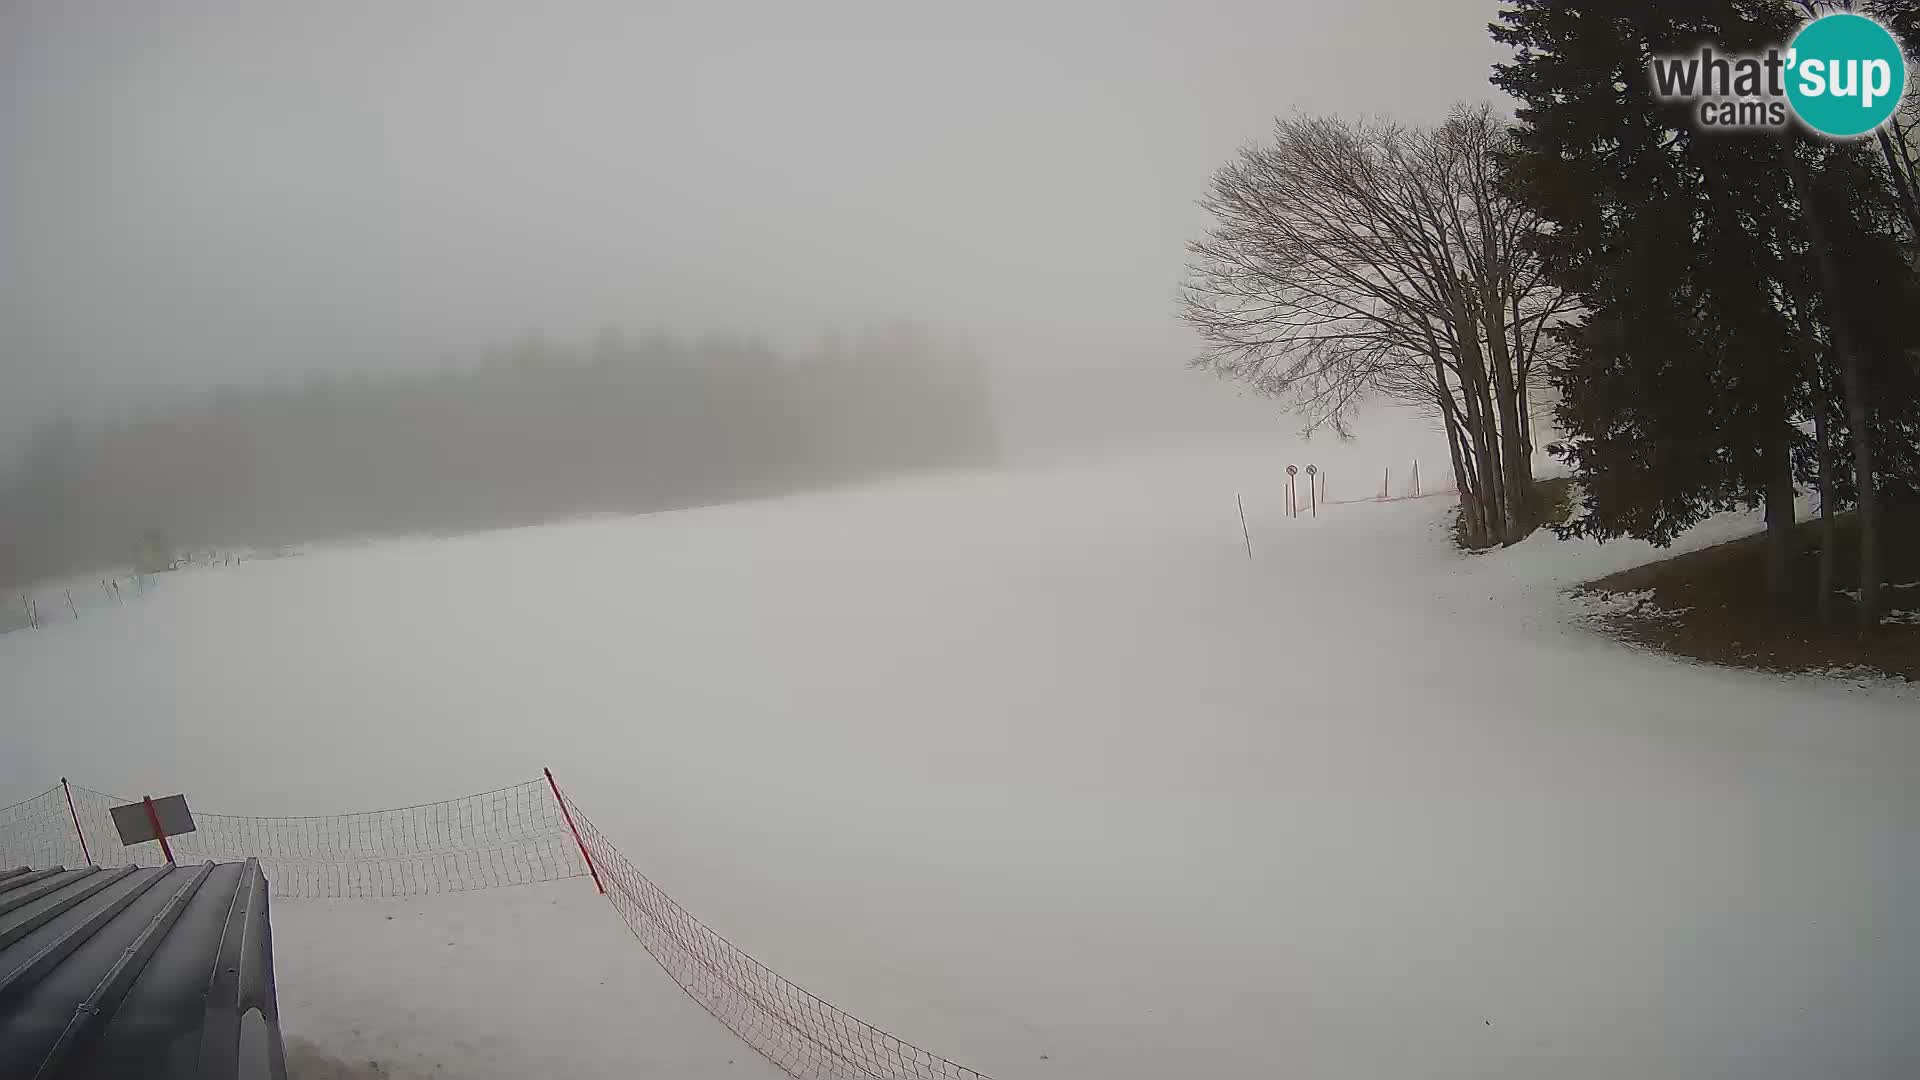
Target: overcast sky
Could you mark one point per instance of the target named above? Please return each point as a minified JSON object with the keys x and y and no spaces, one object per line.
{"x":196,"y":194}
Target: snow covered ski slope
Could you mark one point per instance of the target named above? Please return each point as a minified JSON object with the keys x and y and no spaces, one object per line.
{"x":1039,"y":771}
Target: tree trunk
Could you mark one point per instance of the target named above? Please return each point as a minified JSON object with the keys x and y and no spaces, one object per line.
{"x":1490,"y":464}
{"x":1526,"y":424}
{"x":1485,"y":441}
{"x":1479,"y":454}
{"x":1859,"y":419}
{"x":1476,"y":524}
{"x":1854,"y":384}
{"x":1823,"y":597}
{"x":1901,"y":187}
{"x":1517,"y":468}
{"x":1778,"y":466}
{"x":1523,"y":376}
{"x":1472,"y":487}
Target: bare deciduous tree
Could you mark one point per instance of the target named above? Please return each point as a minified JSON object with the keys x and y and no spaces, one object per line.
{"x":1352,"y":259}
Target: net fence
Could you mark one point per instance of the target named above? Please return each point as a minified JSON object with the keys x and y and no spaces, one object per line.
{"x":513,"y":835}
{"x":509,"y":836}
{"x":806,"y":1037}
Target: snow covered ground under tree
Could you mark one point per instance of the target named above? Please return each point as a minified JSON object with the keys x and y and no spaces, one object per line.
{"x":1039,"y":771}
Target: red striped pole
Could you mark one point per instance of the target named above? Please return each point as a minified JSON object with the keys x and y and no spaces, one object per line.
{"x":576,"y":829}
{"x":84,"y":853}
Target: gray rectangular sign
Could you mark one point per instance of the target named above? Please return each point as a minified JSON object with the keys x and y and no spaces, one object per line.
{"x":136,"y":828}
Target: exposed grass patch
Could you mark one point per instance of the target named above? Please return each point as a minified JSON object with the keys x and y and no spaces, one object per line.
{"x":1556,"y":500}
{"x":1714,"y":605}
{"x":1555,"y":496}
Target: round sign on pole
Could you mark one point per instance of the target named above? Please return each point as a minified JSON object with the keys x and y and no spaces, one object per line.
{"x":1311,"y":469}
{"x":1291,"y":470}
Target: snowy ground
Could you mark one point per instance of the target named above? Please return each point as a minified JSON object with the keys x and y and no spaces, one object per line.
{"x":1039,"y":771}
{"x":535,"y":980}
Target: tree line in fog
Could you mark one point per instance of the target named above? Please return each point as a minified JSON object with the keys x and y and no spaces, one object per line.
{"x":528,"y":433}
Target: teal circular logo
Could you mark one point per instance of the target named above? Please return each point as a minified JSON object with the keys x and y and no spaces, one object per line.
{"x":1845,"y":75}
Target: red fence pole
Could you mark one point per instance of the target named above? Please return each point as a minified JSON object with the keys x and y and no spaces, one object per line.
{"x":84,"y":853}
{"x":576,"y":830}
{"x":153,"y":816}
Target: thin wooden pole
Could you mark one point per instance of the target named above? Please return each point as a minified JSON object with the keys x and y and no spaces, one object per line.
{"x":1244,"y":534}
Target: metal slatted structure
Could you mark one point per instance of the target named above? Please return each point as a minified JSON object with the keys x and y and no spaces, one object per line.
{"x":161,"y":972}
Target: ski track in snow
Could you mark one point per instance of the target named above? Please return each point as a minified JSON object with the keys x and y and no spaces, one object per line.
{"x":1040,"y":763}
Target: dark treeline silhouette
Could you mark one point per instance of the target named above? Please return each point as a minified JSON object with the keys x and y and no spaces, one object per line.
{"x":529,"y":433}
{"x":1746,"y":299}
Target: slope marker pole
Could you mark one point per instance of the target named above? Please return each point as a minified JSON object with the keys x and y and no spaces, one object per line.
{"x":84,"y":853}
{"x":153,"y":818}
{"x":575,"y":829}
